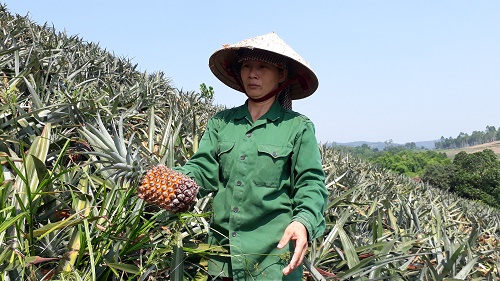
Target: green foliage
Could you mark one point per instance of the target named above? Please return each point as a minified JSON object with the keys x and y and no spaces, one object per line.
{"x":439,"y":175}
{"x":401,"y":159}
{"x":364,"y":151}
{"x":478,"y":176}
{"x":474,"y":176}
{"x":207,"y":92}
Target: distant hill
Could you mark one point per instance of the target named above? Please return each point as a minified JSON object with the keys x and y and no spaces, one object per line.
{"x":382,"y":145}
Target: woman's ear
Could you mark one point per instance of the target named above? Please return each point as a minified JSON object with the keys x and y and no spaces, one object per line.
{"x":283,"y":75}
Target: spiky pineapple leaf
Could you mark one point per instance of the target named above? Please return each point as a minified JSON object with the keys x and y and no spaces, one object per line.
{"x":68,"y":222}
{"x":10,"y":221}
{"x":114,"y":152}
{"x":129,"y":268}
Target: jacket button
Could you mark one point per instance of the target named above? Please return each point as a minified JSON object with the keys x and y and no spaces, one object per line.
{"x":238,"y":183}
{"x":242,"y":157}
{"x":235,"y":209}
{"x":249,"y":135}
{"x":275,"y":154}
{"x":233,"y":234}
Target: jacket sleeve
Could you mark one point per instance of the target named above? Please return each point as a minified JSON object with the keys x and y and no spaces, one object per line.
{"x":203,"y":166}
{"x":309,"y":191}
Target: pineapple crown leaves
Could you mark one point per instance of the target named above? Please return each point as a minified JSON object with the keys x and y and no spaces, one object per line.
{"x":113,"y":151}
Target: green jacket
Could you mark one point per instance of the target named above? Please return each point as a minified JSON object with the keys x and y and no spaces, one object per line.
{"x":264,"y":174}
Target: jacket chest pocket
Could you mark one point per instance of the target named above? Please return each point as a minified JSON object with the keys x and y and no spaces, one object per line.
{"x":273,"y":164}
{"x":225,"y":158}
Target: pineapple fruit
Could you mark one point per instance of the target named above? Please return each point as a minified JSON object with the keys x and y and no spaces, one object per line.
{"x":168,"y":189}
{"x":159,"y":185}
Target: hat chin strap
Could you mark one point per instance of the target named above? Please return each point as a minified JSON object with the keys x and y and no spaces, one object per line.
{"x":302,"y":81}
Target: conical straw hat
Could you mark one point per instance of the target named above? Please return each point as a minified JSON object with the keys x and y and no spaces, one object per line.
{"x":224,"y":62}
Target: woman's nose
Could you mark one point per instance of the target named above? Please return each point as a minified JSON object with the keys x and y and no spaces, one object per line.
{"x":253,"y":72}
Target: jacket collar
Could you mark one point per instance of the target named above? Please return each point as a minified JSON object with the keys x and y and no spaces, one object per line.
{"x":272,"y":114}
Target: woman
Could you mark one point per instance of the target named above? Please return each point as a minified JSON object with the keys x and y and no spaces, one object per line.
{"x":262,"y":162}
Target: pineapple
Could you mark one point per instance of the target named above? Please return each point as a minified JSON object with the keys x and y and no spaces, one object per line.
{"x":168,"y":189}
{"x":159,"y":185}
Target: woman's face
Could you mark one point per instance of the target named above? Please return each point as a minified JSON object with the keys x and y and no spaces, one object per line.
{"x":260,"y":78}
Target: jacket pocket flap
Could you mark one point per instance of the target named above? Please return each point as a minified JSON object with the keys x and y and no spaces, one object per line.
{"x":224,"y":146}
{"x":275,"y":151}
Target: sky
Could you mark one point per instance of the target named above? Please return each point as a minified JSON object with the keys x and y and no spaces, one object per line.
{"x":405,"y":71}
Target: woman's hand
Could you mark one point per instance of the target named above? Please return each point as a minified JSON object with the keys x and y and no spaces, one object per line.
{"x":297,"y":232}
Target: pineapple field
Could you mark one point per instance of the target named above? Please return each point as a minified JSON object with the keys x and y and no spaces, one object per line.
{"x":80,"y":127}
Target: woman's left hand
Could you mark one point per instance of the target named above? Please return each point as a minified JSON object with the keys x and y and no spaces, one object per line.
{"x":295,"y":231}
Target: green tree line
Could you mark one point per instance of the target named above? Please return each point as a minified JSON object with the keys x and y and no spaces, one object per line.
{"x":464,"y":140}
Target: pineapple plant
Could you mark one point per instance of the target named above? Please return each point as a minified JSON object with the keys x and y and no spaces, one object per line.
{"x":158,"y":185}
